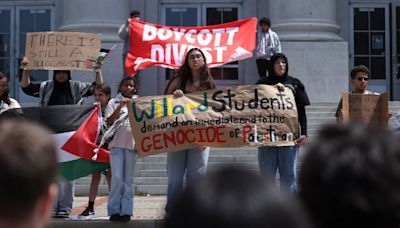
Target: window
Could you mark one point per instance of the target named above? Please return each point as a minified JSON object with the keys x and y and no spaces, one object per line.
{"x":369,"y":40}
{"x":220,"y":15}
{"x":33,"y":20}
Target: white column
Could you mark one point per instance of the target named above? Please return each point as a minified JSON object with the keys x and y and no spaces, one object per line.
{"x":305,"y":20}
{"x":99,"y":16}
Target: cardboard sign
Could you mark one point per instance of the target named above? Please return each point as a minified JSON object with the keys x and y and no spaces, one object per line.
{"x":167,"y":46}
{"x":365,"y":108}
{"x":61,"y":50}
{"x":257,"y":115}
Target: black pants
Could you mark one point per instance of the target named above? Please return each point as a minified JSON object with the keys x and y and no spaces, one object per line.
{"x":262,"y":67}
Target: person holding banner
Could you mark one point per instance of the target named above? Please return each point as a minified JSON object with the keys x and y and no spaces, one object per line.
{"x":284,"y":158}
{"x":192,"y":76}
{"x":267,"y":45}
{"x":61,"y":90}
{"x":122,"y":154}
{"x":102,"y":94}
{"x":123,"y":33}
{"x":5,"y":101}
{"x":359,"y":79}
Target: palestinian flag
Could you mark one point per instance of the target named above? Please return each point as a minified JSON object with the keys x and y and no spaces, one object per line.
{"x":75,"y":131}
{"x":93,"y":63}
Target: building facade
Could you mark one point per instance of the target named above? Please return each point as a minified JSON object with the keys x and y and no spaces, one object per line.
{"x":323,"y":39}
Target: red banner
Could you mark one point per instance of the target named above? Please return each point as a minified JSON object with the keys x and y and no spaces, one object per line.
{"x":167,"y":46}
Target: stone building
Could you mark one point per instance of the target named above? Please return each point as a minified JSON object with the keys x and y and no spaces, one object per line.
{"x":323,"y":39}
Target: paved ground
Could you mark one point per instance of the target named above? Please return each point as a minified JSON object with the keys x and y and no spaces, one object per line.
{"x":145,"y":207}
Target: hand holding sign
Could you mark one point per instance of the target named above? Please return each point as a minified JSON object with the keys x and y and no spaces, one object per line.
{"x":230,"y":117}
{"x":301,"y":140}
{"x":61,"y":50}
{"x":24,"y":61}
{"x":365,"y":108}
{"x":178,"y":93}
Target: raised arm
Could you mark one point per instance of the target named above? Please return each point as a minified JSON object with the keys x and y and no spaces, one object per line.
{"x":123,"y":31}
{"x":99,"y":77}
{"x":25,"y":81}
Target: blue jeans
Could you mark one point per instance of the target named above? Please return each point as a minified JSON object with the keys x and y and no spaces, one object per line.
{"x":194,"y":161}
{"x":120,"y":200}
{"x":283,"y":158}
{"x":63,"y":201}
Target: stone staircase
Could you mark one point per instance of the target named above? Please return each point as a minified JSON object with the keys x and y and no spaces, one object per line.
{"x":151,"y":174}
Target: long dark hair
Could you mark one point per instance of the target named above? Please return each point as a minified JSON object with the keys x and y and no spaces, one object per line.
{"x":4,"y":97}
{"x":186,"y":76}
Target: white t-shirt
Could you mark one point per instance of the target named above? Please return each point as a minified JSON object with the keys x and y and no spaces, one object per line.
{"x":123,"y":136}
{"x":14,"y":104}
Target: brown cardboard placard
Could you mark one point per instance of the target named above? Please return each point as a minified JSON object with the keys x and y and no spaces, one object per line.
{"x":257,"y":115}
{"x":365,"y":108}
{"x":61,"y":50}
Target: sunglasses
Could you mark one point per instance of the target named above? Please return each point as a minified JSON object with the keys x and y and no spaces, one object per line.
{"x":361,"y":79}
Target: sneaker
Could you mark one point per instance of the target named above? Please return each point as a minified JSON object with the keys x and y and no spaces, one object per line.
{"x":125,"y":218}
{"x":87,"y":214}
{"x":54,"y":214}
{"x":62,"y":214}
{"x":115,"y":218}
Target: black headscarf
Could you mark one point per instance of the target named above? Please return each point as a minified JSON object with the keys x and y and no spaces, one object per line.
{"x":61,"y":94}
{"x":294,"y":84}
{"x":271,"y":73}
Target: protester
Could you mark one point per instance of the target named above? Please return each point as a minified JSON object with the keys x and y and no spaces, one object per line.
{"x":5,"y":101}
{"x":192,"y":76}
{"x":396,"y":125}
{"x":60,"y":91}
{"x":350,"y":177}
{"x":359,"y":79}
{"x":102,"y":94}
{"x":235,"y":198}
{"x":268,"y":44}
{"x":28,"y":170}
{"x":122,"y":154}
{"x":124,"y":34}
{"x":284,"y":158}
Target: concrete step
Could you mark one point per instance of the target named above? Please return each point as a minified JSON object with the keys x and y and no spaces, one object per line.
{"x":151,"y":189}
{"x":150,"y":173}
{"x":311,"y":109}
{"x":312,"y":115}
{"x":212,"y":158}
{"x":143,"y":223}
{"x":151,"y":166}
{"x":138,"y":181}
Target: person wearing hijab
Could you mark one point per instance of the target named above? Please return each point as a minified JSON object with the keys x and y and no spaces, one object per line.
{"x":59,"y":91}
{"x":284,"y":158}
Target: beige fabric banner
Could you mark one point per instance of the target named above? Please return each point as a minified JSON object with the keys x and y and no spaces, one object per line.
{"x":365,"y":108}
{"x":257,"y":115}
{"x":61,"y":50}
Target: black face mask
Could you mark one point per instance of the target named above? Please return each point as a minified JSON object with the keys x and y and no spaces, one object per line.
{"x":61,"y":94}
